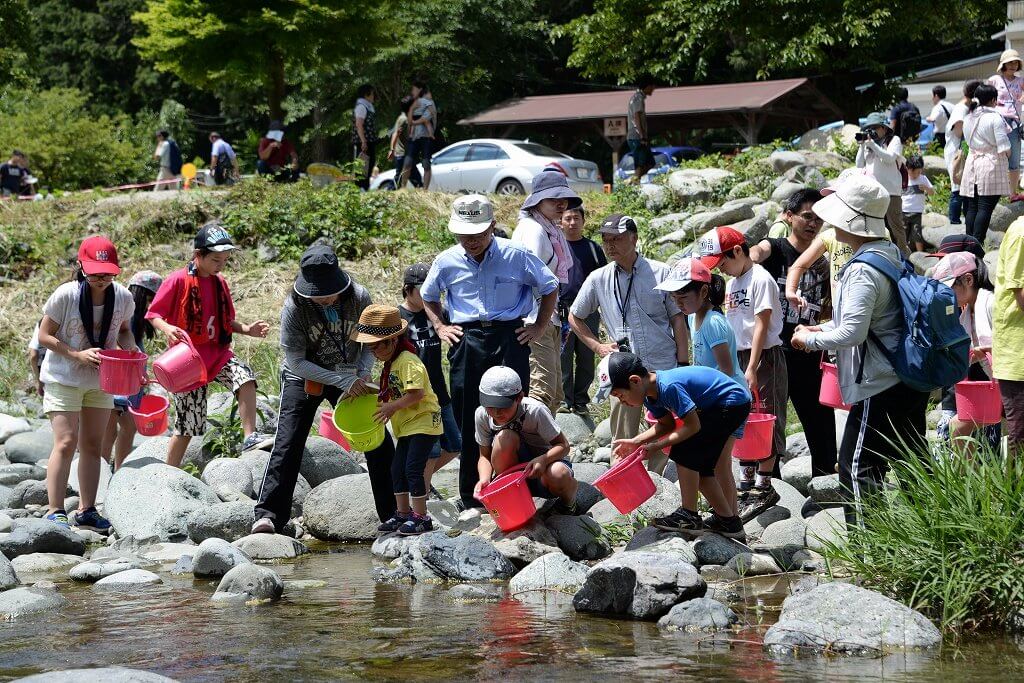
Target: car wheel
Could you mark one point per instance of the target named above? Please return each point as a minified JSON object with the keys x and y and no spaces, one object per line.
{"x":386,"y":185}
{"x":510,"y":186}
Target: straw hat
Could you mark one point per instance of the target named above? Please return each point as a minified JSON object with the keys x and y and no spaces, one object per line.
{"x":857,"y":207}
{"x":1007,"y":57}
{"x":377,"y":323}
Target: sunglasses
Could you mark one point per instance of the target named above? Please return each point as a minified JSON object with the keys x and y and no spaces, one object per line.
{"x":105,"y":277}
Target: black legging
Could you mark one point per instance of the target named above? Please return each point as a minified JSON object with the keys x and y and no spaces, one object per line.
{"x":978,"y":213}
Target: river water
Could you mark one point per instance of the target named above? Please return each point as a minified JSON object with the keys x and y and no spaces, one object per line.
{"x":335,"y":623}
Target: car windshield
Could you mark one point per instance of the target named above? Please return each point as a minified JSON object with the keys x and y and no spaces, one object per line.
{"x":627,"y":161}
{"x":540,"y":150}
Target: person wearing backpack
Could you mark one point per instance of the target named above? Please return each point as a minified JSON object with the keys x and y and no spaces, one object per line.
{"x":169,"y":157}
{"x":867,"y":332}
{"x":880,"y":154}
{"x":940,"y":113}
{"x":223,"y":161}
{"x":904,"y":117}
{"x":1009,"y":85}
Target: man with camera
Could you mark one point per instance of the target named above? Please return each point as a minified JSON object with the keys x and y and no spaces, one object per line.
{"x":639,"y":318}
{"x":880,"y":151}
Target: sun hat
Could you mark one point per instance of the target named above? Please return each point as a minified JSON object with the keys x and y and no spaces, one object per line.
{"x":98,"y":256}
{"x":499,"y":387}
{"x":953,"y":266}
{"x":951,"y":244}
{"x":471,"y":215}
{"x":857,"y":207}
{"x":876,"y":118}
{"x":1007,"y":57}
{"x":713,"y":245}
{"x":377,"y":323}
{"x":551,"y":184}
{"x":416,"y":274}
{"x":616,"y":224}
{"x":320,"y":274}
{"x":684,"y":272}
{"x":613,"y":372}
{"x":214,"y":237}
{"x":146,"y":279}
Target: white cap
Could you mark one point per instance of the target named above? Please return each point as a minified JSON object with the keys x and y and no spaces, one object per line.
{"x":499,"y":387}
{"x":471,"y":215}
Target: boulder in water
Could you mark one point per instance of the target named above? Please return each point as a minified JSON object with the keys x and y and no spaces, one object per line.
{"x":231,"y":473}
{"x":554,"y":571}
{"x":155,"y":499}
{"x":270,"y":547}
{"x":216,"y":557}
{"x":107,"y":674}
{"x":323,"y":460}
{"x":129,"y":579}
{"x":19,"y":602}
{"x":461,"y":558}
{"x":40,"y":536}
{"x":221,"y":520}
{"x":247,"y":582}
{"x":698,"y":615}
{"x":579,"y":536}
{"x":638,"y":584}
{"x":342,"y":509}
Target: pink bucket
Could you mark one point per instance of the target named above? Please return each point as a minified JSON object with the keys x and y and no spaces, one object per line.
{"x":978,"y":402}
{"x":628,"y":484}
{"x":508,"y":500}
{"x":180,"y":368}
{"x":151,"y":415}
{"x":329,"y":430}
{"x":756,"y":442}
{"x":122,"y":373}
{"x":830,"y":395}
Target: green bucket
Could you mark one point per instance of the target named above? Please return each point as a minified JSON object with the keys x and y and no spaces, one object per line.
{"x":354,"y":419}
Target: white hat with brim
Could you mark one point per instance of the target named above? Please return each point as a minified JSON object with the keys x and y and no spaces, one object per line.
{"x":1007,"y":57}
{"x":857,"y":207}
{"x":471,"y":215}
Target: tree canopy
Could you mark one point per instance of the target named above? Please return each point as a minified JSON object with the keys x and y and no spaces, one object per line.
{"x":17,"y":42}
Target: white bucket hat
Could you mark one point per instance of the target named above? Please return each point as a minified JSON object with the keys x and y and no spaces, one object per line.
{"x":857,"y":207}
{"x":1007,"y":57}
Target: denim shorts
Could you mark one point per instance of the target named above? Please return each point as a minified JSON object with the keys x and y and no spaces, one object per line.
{"x":121,"y":403}
{"x":1014,"y":136}
{"x":451,"y":438}
{"x":419,"y":150}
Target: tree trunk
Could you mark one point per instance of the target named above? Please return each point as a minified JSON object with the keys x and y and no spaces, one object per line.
{"x":321,"y":148}
{"x":275,"y":94}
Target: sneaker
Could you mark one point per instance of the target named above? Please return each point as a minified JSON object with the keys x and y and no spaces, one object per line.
{"x":582,"y":411}
{"x":759,"y":500}
{"x":60,"y":518}
{"x":393,"y":524}
{"x":564,"y":409}
{"x":416,"y":525}
{"x":263,"y":525}
{"x":730,"y":527}
{"x":560,"y":508}
{"x":681,"y":521}
{"x":90,"y":519}
{"x":252,"y":441}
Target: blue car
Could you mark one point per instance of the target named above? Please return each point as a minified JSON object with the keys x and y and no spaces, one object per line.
{"x":665,"y":159}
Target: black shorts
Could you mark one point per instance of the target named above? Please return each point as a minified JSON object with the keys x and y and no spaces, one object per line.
{"x":537,"y":488}
{"x":701,"y":451}
{"x":642,"y":155}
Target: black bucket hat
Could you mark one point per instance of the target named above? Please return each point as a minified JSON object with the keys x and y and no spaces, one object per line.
{"x":319,"y":273}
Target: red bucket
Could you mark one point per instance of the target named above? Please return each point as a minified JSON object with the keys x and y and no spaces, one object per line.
{"x":328,"y":430}
{"x":830,"y":395}
{"x":979,"y":402}
{"x":180,"y":368}
{"x":151,"y":415}
{"x":508,"y":499}
{"x":628,"y":484}
{"x":122,"y":373}
{"x":756,"y":442}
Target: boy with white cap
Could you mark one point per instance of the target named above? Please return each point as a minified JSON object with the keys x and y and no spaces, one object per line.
{"x":512,"y":429}
{"x":489,"y":286}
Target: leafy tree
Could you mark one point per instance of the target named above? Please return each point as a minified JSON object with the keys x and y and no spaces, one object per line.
{"x":16,"y":44}
{"x":222,"y":45}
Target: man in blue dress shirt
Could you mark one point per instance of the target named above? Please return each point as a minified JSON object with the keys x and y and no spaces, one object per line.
{"x":489,"y":286}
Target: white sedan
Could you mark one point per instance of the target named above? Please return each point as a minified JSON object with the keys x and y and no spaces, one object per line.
{"x":492,"y":166}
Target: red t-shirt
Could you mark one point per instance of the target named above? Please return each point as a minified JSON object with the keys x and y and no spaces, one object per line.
{"x":282,"y":156}
{"x":167,"y":302}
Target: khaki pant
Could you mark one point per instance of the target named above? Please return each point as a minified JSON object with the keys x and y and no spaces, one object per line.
{"x":546,"y":368}
{"x":894,"y":220}
{"x":165,"y":174}
{"x":626,"y":422}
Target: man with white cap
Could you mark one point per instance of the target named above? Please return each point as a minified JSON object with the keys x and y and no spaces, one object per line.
{"x":489,"y":285}
{"x":636,"y":316}
{"x":887,"y":415}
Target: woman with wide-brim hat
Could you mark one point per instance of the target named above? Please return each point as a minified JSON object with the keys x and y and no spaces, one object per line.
{"x":409,"y":403}
{"x":880,"y":154}
{"x":1009,"y":85}
{"x":320,"y":363}
{"x":539,"y":231}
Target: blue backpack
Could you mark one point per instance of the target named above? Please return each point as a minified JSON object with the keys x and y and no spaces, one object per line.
{"x":175,"y":157}
{"x":934,"y":350}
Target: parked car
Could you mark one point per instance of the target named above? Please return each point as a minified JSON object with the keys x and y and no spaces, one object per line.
{"x":665,"y":159}
{"x":493,"y":166}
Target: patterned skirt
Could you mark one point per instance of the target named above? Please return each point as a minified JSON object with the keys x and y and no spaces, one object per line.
{"x":987,"y":173}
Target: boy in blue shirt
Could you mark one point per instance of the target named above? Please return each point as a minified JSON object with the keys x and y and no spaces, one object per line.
{"x":711,"y":406}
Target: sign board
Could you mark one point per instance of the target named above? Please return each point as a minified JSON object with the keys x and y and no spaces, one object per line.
{"x":615,"y":127}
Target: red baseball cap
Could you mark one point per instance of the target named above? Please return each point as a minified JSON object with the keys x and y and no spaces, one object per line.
{"x":98,"y":256}
{"x":712,"y":245}
{"x":687,"y":270}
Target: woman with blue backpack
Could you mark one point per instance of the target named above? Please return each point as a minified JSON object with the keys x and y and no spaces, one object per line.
{"x":878,"y":373}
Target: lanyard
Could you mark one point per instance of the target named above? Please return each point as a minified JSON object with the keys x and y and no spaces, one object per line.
{"x":623,"y":304}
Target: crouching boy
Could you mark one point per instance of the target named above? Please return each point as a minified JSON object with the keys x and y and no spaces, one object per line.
{"x":512,"y":429}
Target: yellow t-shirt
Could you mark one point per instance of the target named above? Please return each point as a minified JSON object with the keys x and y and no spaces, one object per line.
{"x":408,"y":372}
{"x":1007,"y":318}
{"x":838,"y":253}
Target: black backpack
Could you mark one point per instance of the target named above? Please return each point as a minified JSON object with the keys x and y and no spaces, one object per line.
{"x":909,"y":124}
{"x":175,"y":157}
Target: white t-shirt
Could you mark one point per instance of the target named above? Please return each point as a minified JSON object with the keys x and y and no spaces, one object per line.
{"x":940,"y":115}
{"x":533,"y":421}
{"x":980,"y":328}
{"x":62,"y":308}
{"x":913,"y":201}
{"x":163,"y":151}
{"x":530,"y":235}
{"x":746,"y":296}
{"x":953,"y":140}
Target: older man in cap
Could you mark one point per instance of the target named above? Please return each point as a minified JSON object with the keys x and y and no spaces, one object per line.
{"x":488,"y":284}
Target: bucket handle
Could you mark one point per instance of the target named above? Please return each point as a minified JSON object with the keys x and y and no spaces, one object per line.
{"x":519,"y":470}
{"x":757,"y":401}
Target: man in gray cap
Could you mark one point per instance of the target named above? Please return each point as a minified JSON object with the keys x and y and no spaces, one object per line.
{"x":636,"y":316}
{"x":489,"y":286}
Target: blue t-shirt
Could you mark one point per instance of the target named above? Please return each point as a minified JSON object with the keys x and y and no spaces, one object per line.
{"x":681,"y":390}
{"x":713,"y":331}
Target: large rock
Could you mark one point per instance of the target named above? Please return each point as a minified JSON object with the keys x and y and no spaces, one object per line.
{"x":460,"y":558}
{"x":782,"y":161}
{"x":699,"y":223}
{"x":670,"y":222}
{"x":155,"y":499}
{"x":785,"y":190}
{"x":698,"y":615}
{"x":655,"y":195}
{"x":222,"y":520}
{"x":783,"y":539}
{"x":247,"y":582}
{"x":342,"y":509}
{"x":29,"y":447}
{"x":933,"y":235}
{"x":9,"y":426}
{"x":19,"y":602}
{"x":43,"y":563}
{"x":665,"y":501}
{"x":257,"y":462}
{"x":107,"y":674}
{"x":755,"y":527}
{"x":753,"y":564}
{"x":152,"y":450}
{"x":603,"y":432}
{"x":94,"y":570}
{"x":521,"y":546}
{"x":653,"y":540}
{"x":216,"y":557}
{"x":756,"y":229}
{"x":715,"y":549}
{"x":231,"y":473}
{"x":553,"y":571}
{"x":688,"y":187}
{"x":102,"y":486}
{"x":391,"y":546}
{"x":789,"y":497}
{"x":270,"y":547}
{"x":934,"y":166}
{"x":827,"y":160}
{"x":639,"y":585}
{"x":323,"y":460}
{"x":825,"y":490}
{"x":29,"y":492}
{"x":579,"y":537}
{"x":8,"y":575}
{"x":588,"y":472}
{"x":129,"y":579}
{"x":576,"y":428}
{"x":808,"y":176}
{"x":797,"y":473}
{"x":15,"y":473}
{"x":845,"y":619}
{"x":828,"y":527}
{"x":40,"y":536}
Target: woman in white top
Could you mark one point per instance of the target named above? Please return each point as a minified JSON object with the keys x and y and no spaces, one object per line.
{"x":1009,"y":86}
{"x":955,"y":136}
{"x":881,"y":154}
{"x":986,"y":177}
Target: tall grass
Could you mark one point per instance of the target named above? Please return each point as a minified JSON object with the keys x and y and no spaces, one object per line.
{"x":948,"y":540}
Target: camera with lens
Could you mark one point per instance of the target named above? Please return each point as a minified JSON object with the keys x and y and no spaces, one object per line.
{"x":623,"y":345}
{"x":865,"y":135}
